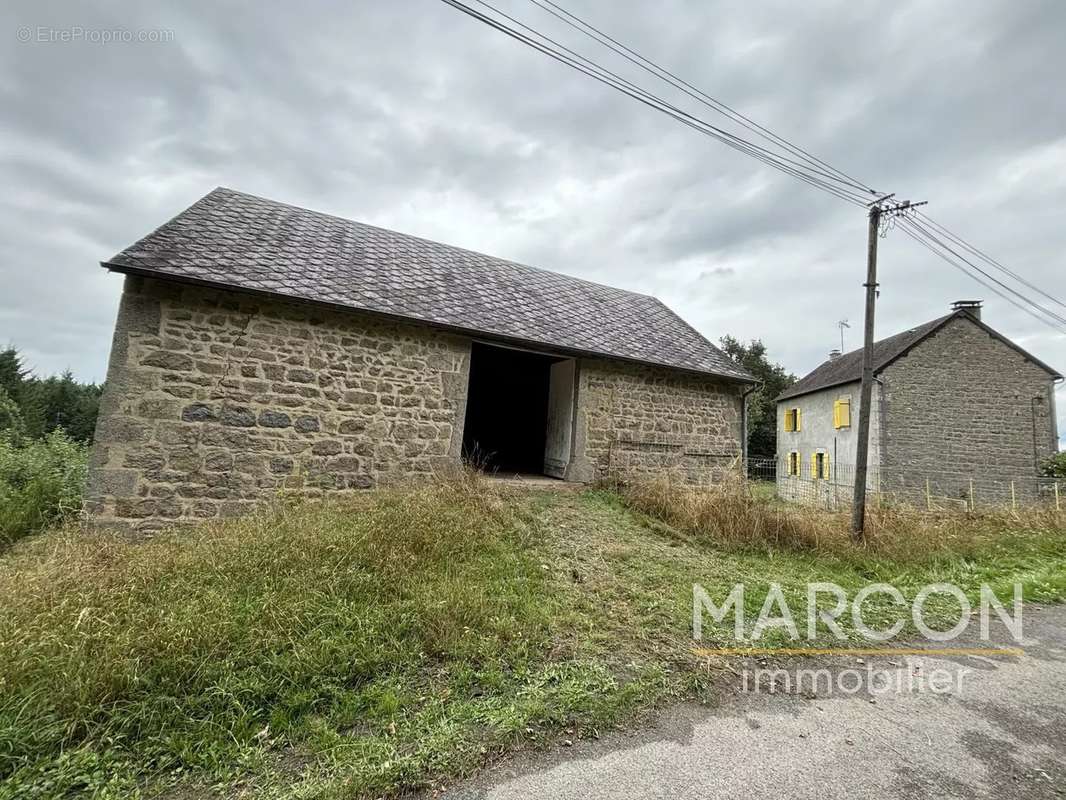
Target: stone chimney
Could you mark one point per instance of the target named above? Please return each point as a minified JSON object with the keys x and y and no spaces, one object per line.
{"x":971,"y":306}
{"x":834,"y":355}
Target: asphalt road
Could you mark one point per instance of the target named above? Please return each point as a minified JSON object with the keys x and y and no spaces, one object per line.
{"x":1000,"y":732}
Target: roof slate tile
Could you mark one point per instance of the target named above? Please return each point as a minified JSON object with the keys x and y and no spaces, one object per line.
{"x":240,"y":241}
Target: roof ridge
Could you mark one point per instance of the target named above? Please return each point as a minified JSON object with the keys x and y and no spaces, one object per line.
{"x":844,"y":369}
{"x":911,"y":329}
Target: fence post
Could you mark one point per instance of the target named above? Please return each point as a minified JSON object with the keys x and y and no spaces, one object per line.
{"x":972,"y":504}
{"x":928,"y":497}
{"x":1057,"y":508}
{"x":1013,"y":499}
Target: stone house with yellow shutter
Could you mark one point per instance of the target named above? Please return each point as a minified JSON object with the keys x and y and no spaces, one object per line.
{"x":263,"y":347}
{"x":953,"y":401}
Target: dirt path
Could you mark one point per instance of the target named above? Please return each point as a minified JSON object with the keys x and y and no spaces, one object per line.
{"x":999,"y":731}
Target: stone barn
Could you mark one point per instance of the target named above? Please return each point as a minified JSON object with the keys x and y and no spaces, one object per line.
{"x":263,"y":347}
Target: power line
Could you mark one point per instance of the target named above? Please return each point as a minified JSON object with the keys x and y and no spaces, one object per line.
{"x":664,"y":74}
{"x":648,"y":94}
{"x":608,"y":78}
{"x":988,"y":259}
{"x":935,"y":245}
{"x":650,"y":66}
{"x":814,"y":172}
{"x":625,"y":86}
{"x":929,"y":245}
{"x":926,"y":232}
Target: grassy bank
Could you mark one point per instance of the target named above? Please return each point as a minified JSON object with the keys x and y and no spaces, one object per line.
{"x":388,"y":641}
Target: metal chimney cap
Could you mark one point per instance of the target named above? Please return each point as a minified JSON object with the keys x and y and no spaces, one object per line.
{"x":971,"y":307}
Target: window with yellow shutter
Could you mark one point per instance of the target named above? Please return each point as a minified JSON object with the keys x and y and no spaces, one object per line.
{"x":792,"y":419}
{"x":842,"y":413}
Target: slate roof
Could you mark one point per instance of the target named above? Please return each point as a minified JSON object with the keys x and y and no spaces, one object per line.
{"x":235,"y":240}
{"x":848,"y":367}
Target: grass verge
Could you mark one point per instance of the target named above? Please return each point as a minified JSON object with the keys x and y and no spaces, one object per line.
{"x":388,"y":641}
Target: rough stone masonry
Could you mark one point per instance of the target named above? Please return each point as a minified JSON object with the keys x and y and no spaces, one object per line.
{"x":217,"y":400}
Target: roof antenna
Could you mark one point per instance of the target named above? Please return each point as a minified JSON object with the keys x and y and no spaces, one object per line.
{"x":842,"y":325}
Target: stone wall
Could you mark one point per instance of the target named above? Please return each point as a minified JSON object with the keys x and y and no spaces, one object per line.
{"x":964,"y":404}
{"x":634,"y":420}
{"x":215,"y":400}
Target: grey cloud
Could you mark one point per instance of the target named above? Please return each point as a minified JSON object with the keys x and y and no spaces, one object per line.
{"x":412,"y":116}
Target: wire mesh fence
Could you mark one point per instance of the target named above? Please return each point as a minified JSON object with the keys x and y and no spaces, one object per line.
{"x":818,"y":482}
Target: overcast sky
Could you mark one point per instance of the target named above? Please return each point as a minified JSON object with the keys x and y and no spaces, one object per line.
{"x":411,"y":116}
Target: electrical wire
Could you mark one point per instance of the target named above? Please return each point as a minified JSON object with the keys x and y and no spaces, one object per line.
{"x":987,"y":258}
{"x":664,"y":74}
{"x":809,"y":169}
{"x":931,"y":235}
{"x":926,"y":243}
{"x":649,"y":99}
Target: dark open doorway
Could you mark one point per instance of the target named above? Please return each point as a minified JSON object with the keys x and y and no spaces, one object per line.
{"x":515,"y":411}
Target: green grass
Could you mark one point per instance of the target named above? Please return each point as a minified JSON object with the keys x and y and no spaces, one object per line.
{"x":386,"y":642}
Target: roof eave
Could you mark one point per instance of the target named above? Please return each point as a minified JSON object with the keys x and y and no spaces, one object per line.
{"x":127,"y":269}
{"x":786,"y":396}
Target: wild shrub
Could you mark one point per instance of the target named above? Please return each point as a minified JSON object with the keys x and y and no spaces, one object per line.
{"x":41,"y":483}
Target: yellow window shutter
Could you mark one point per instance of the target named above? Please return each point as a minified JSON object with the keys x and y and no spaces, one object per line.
{"x":825,"y":466}
{"x":814,"y":465}
{"x":845,"y":413}
{"x":798,"y":425}
{"x":788,"y":420}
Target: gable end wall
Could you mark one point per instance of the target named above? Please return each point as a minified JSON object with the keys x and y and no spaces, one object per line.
{"x":962,"y":403}
{"x":216,"y":400}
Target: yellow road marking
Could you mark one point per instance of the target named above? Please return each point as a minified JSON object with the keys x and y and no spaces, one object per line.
{"x":858,"y":651}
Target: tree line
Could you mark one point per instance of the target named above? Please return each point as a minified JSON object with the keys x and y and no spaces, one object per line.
{"x":32,"y":407}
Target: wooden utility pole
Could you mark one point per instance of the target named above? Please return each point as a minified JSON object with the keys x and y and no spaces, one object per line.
{"x":858,"y":506}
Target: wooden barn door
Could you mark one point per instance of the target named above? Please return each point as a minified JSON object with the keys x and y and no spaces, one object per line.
{"x":560,"y":418}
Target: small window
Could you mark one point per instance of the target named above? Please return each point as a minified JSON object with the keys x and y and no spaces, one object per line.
{"x":792,"y":419}
{"x":794,"y":463}
{"x":842,"y":413}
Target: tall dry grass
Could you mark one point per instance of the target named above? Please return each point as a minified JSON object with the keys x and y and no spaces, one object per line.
{"x":176,"y":651}
{"x":730,"y":514}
